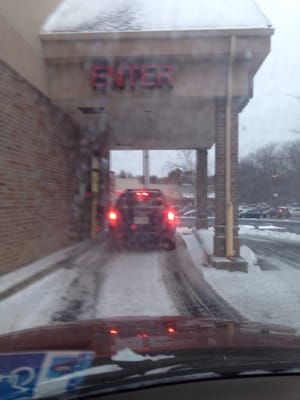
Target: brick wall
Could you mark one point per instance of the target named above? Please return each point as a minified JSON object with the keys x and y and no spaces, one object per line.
{"x":38,"y":147}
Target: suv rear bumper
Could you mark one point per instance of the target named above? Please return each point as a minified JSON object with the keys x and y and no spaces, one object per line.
{"x":142,"y":234}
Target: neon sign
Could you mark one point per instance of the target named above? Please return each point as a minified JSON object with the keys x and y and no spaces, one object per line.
{"x":133,"y":76}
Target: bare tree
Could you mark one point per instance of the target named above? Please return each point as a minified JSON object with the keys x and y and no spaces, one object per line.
{"x":274,"y":168}
{"x":185,"y":161}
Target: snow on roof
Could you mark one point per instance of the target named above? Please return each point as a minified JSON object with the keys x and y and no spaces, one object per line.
{"x":154,"y":15}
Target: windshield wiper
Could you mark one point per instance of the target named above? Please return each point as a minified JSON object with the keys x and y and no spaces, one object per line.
{"x":187,"y":365}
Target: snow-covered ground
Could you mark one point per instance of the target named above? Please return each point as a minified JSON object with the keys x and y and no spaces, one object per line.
{"x":11,"y":279}
{"x":128,"y":283}
{"x":133,"y":285}
{"x":264,"y":296}
{"x":269,"y":231}
{"x":34,"y":305}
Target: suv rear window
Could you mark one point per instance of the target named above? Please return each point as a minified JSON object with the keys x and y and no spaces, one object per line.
{"x":145,"y":198}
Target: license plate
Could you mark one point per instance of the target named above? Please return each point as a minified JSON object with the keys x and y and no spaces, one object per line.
{"x":141,"y":220}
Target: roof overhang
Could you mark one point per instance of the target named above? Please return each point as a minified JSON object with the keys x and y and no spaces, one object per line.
{"x":201,"y":57}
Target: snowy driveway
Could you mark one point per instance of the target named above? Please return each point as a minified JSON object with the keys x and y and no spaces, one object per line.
{"x":103,"y":282}
{"x":97,"y":284}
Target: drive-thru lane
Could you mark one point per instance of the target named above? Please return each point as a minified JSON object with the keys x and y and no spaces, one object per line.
{"x":99,"y":283}
{"x":104,"y":282}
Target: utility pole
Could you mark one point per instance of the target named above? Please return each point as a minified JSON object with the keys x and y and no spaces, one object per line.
{"x":146,"y":168}
{"x":95,"y":197}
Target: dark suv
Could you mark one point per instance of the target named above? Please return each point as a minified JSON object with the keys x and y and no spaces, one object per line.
{"x":141,"y":216}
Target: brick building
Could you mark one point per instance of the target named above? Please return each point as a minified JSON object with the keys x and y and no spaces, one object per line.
{"x":69,"y":95}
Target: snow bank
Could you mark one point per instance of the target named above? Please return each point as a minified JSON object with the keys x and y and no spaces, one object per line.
{"x":270,"y":232}
{"x":28,"y":271}
{"x":35,"y":305}
{"x":130,"y":356}
{"x":263,"y":296}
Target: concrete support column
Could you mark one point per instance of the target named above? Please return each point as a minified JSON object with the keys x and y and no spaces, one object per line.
{"x":201,"y":189}
{"x":220,"y":180}
{"x":104,"y":192}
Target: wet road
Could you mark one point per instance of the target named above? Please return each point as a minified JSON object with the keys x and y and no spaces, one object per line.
{"x":274,"y":254}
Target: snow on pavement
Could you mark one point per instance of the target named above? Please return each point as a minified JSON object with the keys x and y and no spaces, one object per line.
{"x":133,"y":286}
{"x":263,"y":296}
{"x":269,"y":232}
{"x":34,"y":306}
{"x":28,"y":271}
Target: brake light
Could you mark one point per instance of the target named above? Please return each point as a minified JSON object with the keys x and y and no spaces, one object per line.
{"x":142,"y":194}
{"x":171,"y":330}
{"x":112,"y":215}
{"x":143,"y":335}
{"x":113,"y":331}
{"x":171,"y":216}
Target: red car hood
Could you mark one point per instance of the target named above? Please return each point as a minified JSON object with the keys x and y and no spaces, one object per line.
{"x":106,"y":337}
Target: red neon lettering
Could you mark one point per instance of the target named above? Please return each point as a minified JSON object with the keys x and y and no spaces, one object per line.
{"x":165,"y":74}
{"x":99,"y":77}
{"x":132,"y":70}
{"x":118,"y":78}
{"x":149,"y":75}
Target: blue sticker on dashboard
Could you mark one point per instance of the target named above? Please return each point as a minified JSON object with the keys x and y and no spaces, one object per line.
{"x":19,"y":374}
{"x":67,"y":365}
{"x":39,"y":375}
{"x":84,"y":362}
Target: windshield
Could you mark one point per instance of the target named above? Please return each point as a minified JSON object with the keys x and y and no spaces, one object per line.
{"x":149,"y":192}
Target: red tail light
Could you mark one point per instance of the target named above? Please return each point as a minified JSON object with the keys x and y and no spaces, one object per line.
{"x":171,"y":330}
{"x":141,"y":195}
{"x":113,"y":331}
{"x":113,"y":216}
{"x":171,"y":216}
{"x":143,"y":335}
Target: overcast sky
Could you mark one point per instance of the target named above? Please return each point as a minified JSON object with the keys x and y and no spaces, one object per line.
{"x":273,"y":114}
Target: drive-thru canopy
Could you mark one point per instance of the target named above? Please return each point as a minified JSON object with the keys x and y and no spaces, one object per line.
{"x":142,"y":74}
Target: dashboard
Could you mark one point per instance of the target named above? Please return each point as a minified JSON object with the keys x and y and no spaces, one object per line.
{"x":246,"y":388}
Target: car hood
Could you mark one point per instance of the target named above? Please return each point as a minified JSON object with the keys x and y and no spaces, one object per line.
{"x":107,"y":336}
{"x":85,"y":358}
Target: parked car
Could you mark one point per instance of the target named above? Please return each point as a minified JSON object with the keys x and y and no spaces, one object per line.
{"x":283,"y":212}
{"x":295,"y":211}
{"x":257,"y":212}
{"x":266,"y":212}
{"x":251,"y":213}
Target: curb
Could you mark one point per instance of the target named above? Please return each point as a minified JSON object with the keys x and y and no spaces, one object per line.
{"x":69,"y":257}
{"x":207,"y":256}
